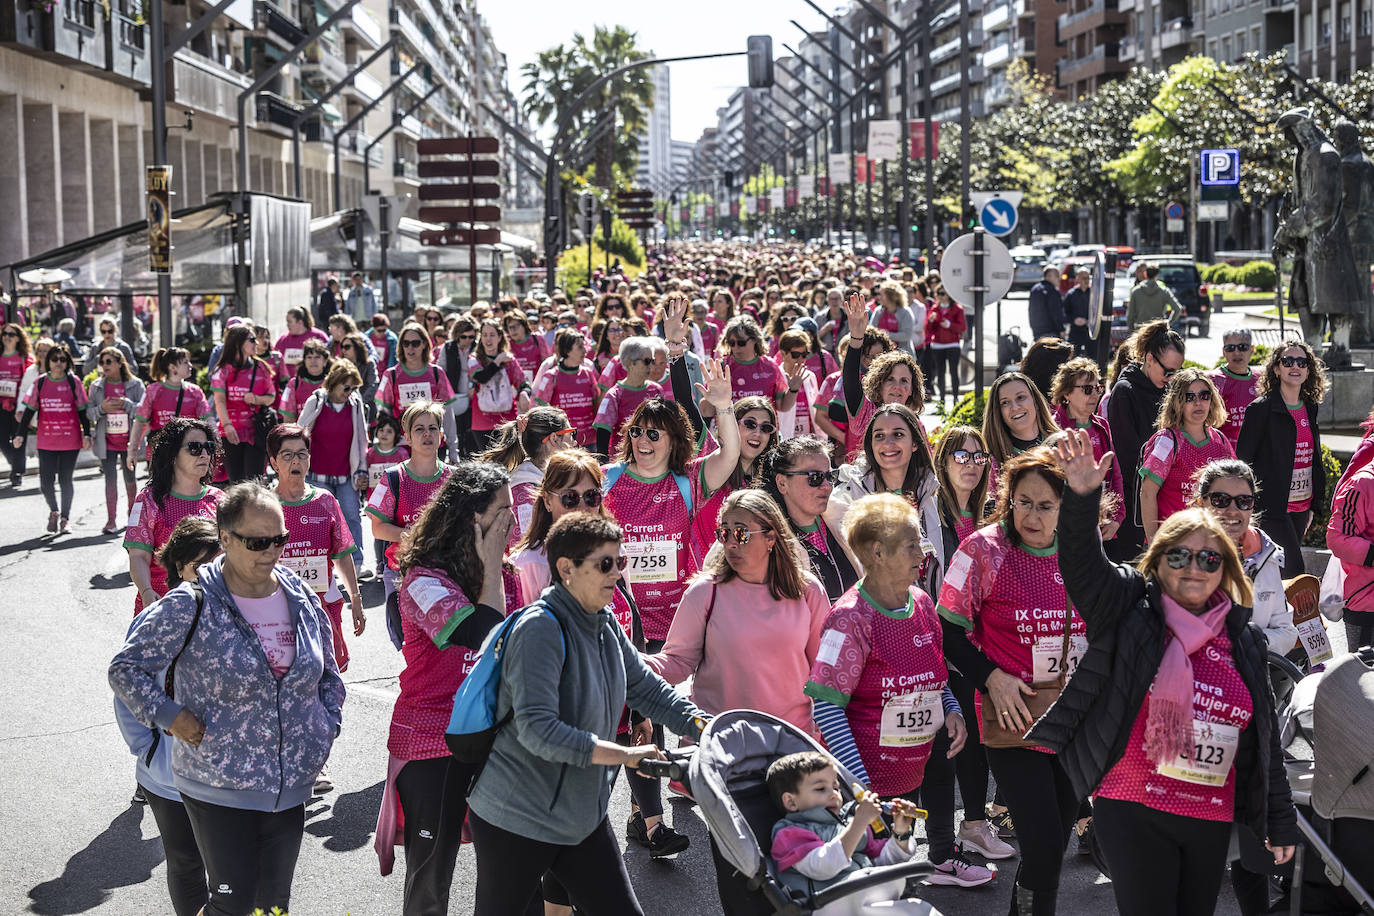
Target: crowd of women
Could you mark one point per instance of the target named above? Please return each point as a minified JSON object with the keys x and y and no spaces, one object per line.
{"x":719,"y":474}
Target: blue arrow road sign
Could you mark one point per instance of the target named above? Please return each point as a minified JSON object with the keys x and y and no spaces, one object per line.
{"x":998,"y":216}
{"x":1220,"y":166}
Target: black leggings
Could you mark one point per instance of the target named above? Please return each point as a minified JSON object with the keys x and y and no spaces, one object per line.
{"x":250,"y":856}
{"x":1359,"y":629}
{"x":56,"y":467}
{"x":185,"y":870}
{"x":434,"y":800}
{"x":936,"y":795}
{"x":17,"y":457}
{"x":1043,"y":807}
{"x":971,"y":764}
{"x":244,"y":461}
{"x":1287,"y":530}
{"x":946,"y":360}
{"x":1162,"y":864}
{"x":509,"y":867}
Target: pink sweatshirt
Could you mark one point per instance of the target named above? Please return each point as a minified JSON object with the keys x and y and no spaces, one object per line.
{"x":755,"y":652}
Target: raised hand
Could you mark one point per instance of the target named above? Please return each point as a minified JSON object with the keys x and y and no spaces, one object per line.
{"x":674,"y":317}
{"x":796,"y":375}
{"x":857,"y":311}
{"x":1083,"y":472}
{"x":717,"y":391}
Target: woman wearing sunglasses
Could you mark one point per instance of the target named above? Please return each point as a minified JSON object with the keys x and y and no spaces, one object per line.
{"x":179,"y":472}
{"x":1236,"y":379}
{"x":15,"y":361}
{"x":892,"y":378}
{"x":758,"y":434}
{"x":166,"y":396}
{"x":413,"y":379}
{"x":240,"y":385}
{"x":451,"y":595}
{"x":114,"y":396}
{"x":570,"y":385}
{"x":523,"y":447}
{"x":258,"y":702}
{"x":1169,"y":721}
{"x":794,"y":348}
{"x":797,"y":474}
{"x":1280,"y":439}
{"x":357,"y":351}
{"x":1189,"y":438}
{"x":336,"y":420}
{"x":310,"y":373}
{"x":1074,"y":395}
{"x":879,"y":683}
{"x":1155,"y":354}
{"x":749,"y":626}
{"x":58,"y":400}
{"x":753,"y":371}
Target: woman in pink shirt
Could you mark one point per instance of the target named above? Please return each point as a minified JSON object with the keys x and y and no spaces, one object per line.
{"x":1189,"y":438}
{"x":300,"y":327}
{"x":59,"y":402}
{"x":14,"y":362}
{"x":748,"y":628}
{"x":241,"y":385}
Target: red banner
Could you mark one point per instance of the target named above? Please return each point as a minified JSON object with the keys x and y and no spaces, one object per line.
{"x":734,"y":208}
{"x":790,"y":198}
{"x":710,"y":211}
{"x":918,"y":140}
{"x":822,"y":186}
{"x":763,"y":203}
{"x":686,"y":214}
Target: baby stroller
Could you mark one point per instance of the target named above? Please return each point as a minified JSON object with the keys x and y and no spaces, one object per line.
{"x":726,"y":774}
{"x":1329,"y":754}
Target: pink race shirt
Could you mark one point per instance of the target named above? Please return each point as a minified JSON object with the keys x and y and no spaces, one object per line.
{"x":270,"y":619}
{"x":292,"y":349}
{"x":378,"y":461}
{"x":656,"y":525}
{"x":160,"y":406}
{"x":1171,"y":459}
{"x":829,"y":391}
{"x":401,"y":387}
{"x":294,"y":394}
{"x":1203,"y":784}
{"x":150,"y":526}
{"x":415,"y":494}
{"x":1300,"y":489}
{"x":611,"y":373}
{"x":319,"y":536}
{"x":619,"y":405}
{"x":57,"y":403}
{"x":432,"y":606}
{"x":1237,"y":391}
{"x":886,"y":669}
{"x":515,"y":377}
{"x":760,"y":377}
{"x":573,"y":391}
{"x":529,"y":353}
{"x":12,"y":370}
{"x":331,"y":440}
{"x":235,"y":385}
{"x":116,"y":442}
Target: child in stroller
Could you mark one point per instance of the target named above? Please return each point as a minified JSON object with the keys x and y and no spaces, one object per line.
{"x":820,"y":840}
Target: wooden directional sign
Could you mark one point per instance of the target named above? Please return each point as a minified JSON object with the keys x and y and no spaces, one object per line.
{"x":478,"y":190}
{"x":460,"y":236}
{"x":640,"y":223}
{"x":460,"y":168}
{"x":458,"y":146}
{"x":479,"y":214}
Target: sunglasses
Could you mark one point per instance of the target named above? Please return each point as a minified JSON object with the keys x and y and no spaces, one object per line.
{"x":1203,"y":396}
{"x":562,"y":432}
{"x":59,"y":359}
{"x":11,"y":334}
{"x":964,"y":456}
{"x":797,"y":354}
{"x":1179,"y":558}
{"x":751,"y":424}
{"x":1289,"y":362}
{"x":109,"y":362}
{"x":589,"y":498}
{"x":1089,"y":390}
{"x":653,"y":434}
{"x":257,"y":545}
{"x":411,"y":342}
{"x":606,"y":564}
{"x":740,"y":533}
{"x":1223,"y":500}
{"x":815,"y":478}
{"x":349,"y":389}
{"x":648,"y":360}
{"x":737,"y":343}
{"x":196,"y":449}
{"x":1235,"y":348}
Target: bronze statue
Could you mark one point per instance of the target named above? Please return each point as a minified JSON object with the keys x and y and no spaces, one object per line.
{"x":1357,"y":181}
{"x":1313,"y":229}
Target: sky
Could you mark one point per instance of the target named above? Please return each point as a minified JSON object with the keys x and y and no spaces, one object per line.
{"x":523,"y":28}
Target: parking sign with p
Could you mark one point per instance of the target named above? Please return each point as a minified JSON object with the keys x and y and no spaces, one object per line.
{"x":1220,"y":166}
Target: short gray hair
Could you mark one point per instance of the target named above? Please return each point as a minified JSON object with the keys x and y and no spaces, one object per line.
{"x":1243,"y":333}
{"x":635,"y":348}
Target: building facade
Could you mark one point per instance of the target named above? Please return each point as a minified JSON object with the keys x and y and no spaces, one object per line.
{"x":655,"y":169}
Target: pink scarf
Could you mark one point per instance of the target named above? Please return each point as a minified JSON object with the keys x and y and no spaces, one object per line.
{"x":1168,"y":730}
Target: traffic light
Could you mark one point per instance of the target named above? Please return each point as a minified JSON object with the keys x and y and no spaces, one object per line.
{"x":729,"y":180}
{"x":760,"y":61}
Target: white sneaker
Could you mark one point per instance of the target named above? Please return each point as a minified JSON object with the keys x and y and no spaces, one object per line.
{"x":323,"y":783}
{"x":960,"y":872}
{"x":984,"y":841}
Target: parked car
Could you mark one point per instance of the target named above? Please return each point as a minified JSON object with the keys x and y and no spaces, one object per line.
{"x":1180,"y":275}
{"x":1030,"y":263}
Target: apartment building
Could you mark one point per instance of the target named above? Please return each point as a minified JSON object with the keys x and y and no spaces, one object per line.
{"x":1334,"y":37}
{"x":1091,"y":32}
{"x":1018,"y":30}
{"x":655,"y":170}
{"x":1159,"y":33}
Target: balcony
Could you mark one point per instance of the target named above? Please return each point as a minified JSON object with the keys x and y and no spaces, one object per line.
{"x":1102,"y":60}
{"x":997,"y":18}
{"x":128,"y":57}
{"x":424,"y":48}
{"x":997,"y":96}
{"x":1280,"y":6}
{"x":323,"y":64}
{"x":951,"y":48}
{"x":278,"y":25}
{"x":1096,"y":15}
{"x":363,"y":27}
{"x":276,"y":112}
{"x":1175,"y":32}
{"x":405,"y":170}
{"x":1127,"y":49}
{"x":355,"y":142}
{"x":946,"y":84}
{"x":202,"y":84}
{"x":363,"y":87}
{"x":998,"y":56}
{"x":408,"y":125}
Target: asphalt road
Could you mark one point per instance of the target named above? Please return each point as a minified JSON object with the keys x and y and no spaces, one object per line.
{"x":73,"y":844}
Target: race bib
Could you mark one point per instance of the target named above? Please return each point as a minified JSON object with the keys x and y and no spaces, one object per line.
{"x":1213,"y":755}
{"x":411,"y":392}
{"x":911,"y":719}
{"x":293,"y":356}
{"x":116,"y":423}
{"x":9,"y":388}
{"x":313,"y":570}
{"x":1048,"y":651}
{"x":650,"y":561}
{"x":375,"y":472}
{"x":1301,"y":488}
{"x":1312,"y":633}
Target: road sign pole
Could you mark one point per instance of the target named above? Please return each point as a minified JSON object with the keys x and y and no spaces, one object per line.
{"x":979,"y":289}
{"x":384,"y":232}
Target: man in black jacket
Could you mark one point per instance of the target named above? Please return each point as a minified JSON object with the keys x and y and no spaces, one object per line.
{"x":1077,"y":308}
{"x":1046,"y":307}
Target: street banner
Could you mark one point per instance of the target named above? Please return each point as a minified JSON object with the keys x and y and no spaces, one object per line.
{"x":863,"y":169}
{"x":839,"y":168}
{"x":749,"y":206}
{"x":806,"y":186}
{"x":159,"y":188}
{"x":701,"y":211}
{"x":776,"y":197}
{"x":734,"y":208}
{"x":884,"y":140}
{"x":686,"y":214}
{"x":823,"y":186}
{"x":710,"y":211}
{"x":790,"y":198}
{"x":763,"y":203}
{"x":918,"y":140}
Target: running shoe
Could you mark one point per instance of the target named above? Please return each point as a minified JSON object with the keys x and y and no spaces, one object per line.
{"x":366,"y":575}
{"x":677,"y":788}
{"x":323,"y":783}
{"x":64,"y":527}
{"x":636,"y":831}
{"x":1002,"y":821}
{"x":1085,"y":838}
{"x":110,"y":528}
{"x":984,"y":841}
{"x":960,"y":872}
{"x":665,"y":841}
{"x":52,"y":522}
{"x":139,"y":798}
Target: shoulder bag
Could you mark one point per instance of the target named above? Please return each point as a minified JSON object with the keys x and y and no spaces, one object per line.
{"x":995,"y":735}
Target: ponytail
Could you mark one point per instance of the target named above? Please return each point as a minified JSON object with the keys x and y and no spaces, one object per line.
{"x":1153,"y":339}
{"x":523,"y":438}
{"x":164,"y":359}
{"x":505,"y":450}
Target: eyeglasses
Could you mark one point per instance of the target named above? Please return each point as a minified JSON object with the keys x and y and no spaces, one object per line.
{"x":10,"y":334}
{"x":349,"y":389}
{"x":751,"y":424}
{"x":738,"y":343}
{"x":589,"y":498}
{"x":648,"y":360}
{"x":411,"y":342}
{"x":1205,"y":396}
{"x":257,"y":545}
{"x":797,"y":354}
{"x":740,"y":533}
{"x":60,"y":358}
{"x":302,"y":455}
{"x":964,"y":456}
{"x":109,"y":362}
{"x":653,"y":434}
{"x":1090,"y":389}
{"x":1179,"y":558}
{"x":562,"y":432}
{"x":1026,"y":507}
{"x":1235,"y":348}
{"x":606,"y":564}
{"x":1223,"y":500}
{"x":815,"y":478}
{"x":1290,"y":361}
{"x":196,"y":449}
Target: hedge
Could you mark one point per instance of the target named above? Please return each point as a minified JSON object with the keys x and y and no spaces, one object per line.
{"x":1254,"y":274}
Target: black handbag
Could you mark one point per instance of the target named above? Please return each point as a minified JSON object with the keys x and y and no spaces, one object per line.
{"x":266,"y":417}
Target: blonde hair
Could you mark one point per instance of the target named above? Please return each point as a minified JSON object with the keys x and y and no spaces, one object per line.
{"x":1171,"y":408}
{"x":419,"y":409}
{"x":878,"y":519}
{"x":1183,"y":523}
{"x":787,"y":562}
{"x":342,"y":372}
